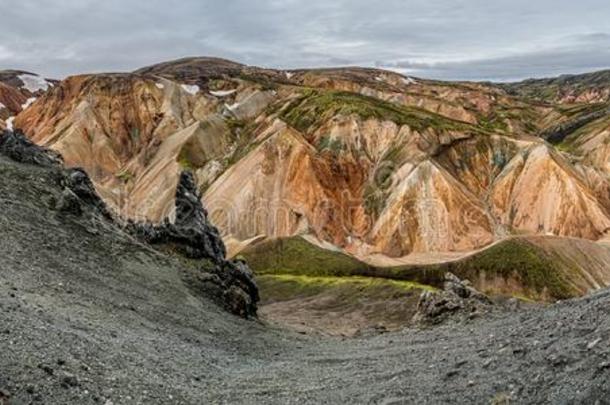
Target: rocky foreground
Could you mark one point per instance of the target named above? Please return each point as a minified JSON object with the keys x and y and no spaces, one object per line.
{"x":89,"y":314}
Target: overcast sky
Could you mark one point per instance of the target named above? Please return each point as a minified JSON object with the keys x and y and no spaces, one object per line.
{"x":446,"y":39}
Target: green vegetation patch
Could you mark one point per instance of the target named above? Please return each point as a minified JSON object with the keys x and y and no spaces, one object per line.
{"x":334,"y":145}
{"x":530,"y":264}
{"x":125,"y":176}
{"x":298,"y":261}
{"x":571,"y":142}
{"x":184,"y":162}
{"x":284,"y":287}
{"x":297,"y":256}
{"x":244,"y":133}
{"x":537,"y":271}
{"x":308,"y":112}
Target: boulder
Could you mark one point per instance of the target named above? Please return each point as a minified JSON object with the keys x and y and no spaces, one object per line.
{"x":458,"y":299}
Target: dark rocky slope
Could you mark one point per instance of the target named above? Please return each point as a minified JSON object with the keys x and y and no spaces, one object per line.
{"x":228,"y":282}
{"x":195,"y":237}
{"x":89,"y":315}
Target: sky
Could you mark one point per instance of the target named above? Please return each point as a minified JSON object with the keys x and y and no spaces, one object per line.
{"x":500,"y":40}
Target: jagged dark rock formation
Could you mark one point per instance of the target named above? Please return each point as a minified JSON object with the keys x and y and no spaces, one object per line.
{"x":79,"y":193}
{"x":195,"y":237}
{"x":230,"y":283}
{"x":191,"y":232}
{"x":457,"y":299}
{"x":17,"y":147}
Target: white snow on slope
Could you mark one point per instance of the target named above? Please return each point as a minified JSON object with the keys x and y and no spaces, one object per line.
{"x":160,"y":86}
{"x":222,"y":93}
{"x":34,"y":83}
{"x":289,"y":75}
{"x":232,"y":107}
{"x":2,"y":106}
{"x":9,"y":123}
{"x":28,"y":103}
{"x":409,"y":80}
{"x":191,"y":89}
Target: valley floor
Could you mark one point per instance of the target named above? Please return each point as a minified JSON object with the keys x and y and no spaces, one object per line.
{"x":87,"y":315}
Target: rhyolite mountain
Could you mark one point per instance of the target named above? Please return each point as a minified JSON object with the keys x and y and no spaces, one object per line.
{"x":18,"y":90}
{"x":384,"y":168}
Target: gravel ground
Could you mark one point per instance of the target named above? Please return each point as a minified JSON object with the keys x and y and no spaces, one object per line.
{"x":88,"y":315}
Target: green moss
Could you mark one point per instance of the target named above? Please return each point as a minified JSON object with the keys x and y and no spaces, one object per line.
{"x":134,"y":134}
{"x":244,"y":144}
{"x":374,"y":200}
{"x":125,"y":176}
{"x":284,"y":287}
{"x":299,"y":257}
{"x":540,"y":274}
{"x":571,"y":142}
{"x":184,"y":162}
{"x":308,"y":112}
{"x":531,"y":265}
{"x":266,"y":83}
{"x":332,"y":144}
{"x":494,"y":123}
{"x":235,"y":125}
{"x":574,"y":110}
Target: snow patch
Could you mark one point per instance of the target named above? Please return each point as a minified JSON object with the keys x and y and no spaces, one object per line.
{"x":289,"y":75}
{"x":408,"y":80}
{"x":232,"y":107}
{"x":2,"y":106}
{"x":191,"y":89}
{"x":34,"y":83}
{"x":160,"y":86}
{"x":222,"y":93}
{"x":9,"y":123}
{"x":28,"y":103}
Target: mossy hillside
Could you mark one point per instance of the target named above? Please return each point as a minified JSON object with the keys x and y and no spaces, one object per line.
{"x":575,"y":110}
{"x":244,"y":133}
{"x":378,"y":188}
{"x":314,"y":107}
{"x":539,"y":273}
{"x":570,"y":142}
{"x":578,"y":121}
{"x":550,"y":90}
{"x":285,"y":287}
{"x":297,"y":256}
{"x":531,"y":265}
{"x":494,"y":123}
{"x":498,"y":121}
{"x":264,"y":81}
{"x":125,"y":176}
{"x":531,"y":90}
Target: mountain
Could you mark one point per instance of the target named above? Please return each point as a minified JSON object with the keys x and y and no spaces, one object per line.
{"x":567,"y":89}
{"x":18,"y":90}
{"x":386,"y":169}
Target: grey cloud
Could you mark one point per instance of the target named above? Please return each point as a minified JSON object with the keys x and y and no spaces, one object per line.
{"x":448,"y":39}
{"x":575,"y":55}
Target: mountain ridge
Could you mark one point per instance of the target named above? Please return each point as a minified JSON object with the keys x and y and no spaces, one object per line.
{"x":399,"y":160}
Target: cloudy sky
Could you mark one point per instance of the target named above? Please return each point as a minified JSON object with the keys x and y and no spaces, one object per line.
{"x":446,"y":39}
